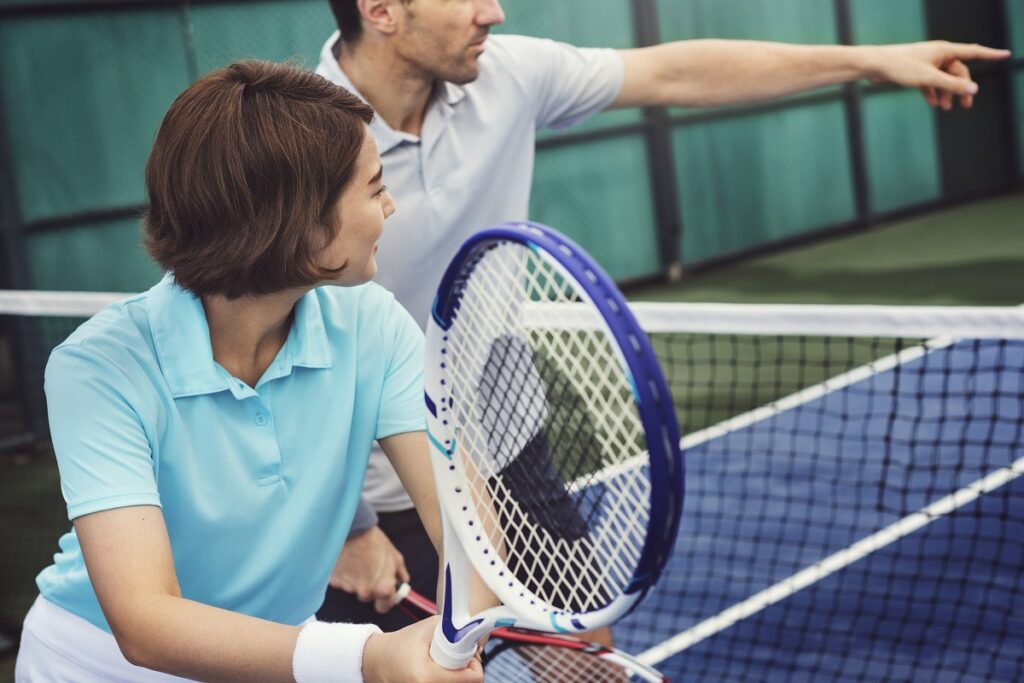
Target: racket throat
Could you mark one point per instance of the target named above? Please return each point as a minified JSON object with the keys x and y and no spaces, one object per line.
{"x":450,"y":613}
{"x":455,"y":642}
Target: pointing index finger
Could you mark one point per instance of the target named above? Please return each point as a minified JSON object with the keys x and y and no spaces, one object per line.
{"x":967,"y":51}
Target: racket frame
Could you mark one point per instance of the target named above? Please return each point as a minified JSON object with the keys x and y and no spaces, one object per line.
{"x":454,"y":642}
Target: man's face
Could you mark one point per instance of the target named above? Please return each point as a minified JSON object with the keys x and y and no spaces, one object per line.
{"x":445,"y":38}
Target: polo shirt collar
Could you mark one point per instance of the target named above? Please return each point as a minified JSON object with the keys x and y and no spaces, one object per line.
{"x":452,"y":94}
{"x":307,"y":343}
{"x":447,"y":95}
{"x":181,"y":336}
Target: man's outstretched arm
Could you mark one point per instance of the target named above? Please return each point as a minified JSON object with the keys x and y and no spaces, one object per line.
{"x":705,"y":73}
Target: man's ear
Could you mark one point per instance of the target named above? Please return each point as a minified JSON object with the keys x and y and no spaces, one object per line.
{"x":381,"y":16}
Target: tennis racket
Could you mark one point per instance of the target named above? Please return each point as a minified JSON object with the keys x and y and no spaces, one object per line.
{"x":555,"y":446}
{"x":518,"y":655}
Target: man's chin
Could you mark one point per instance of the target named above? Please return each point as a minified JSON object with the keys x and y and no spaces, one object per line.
{"x":463,"y":74}
{"x":463,"y":78}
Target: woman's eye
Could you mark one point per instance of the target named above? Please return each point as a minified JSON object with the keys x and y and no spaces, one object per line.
{"x":382,"y":190}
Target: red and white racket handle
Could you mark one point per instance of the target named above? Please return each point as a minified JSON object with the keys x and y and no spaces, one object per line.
{"x":402,"y":591}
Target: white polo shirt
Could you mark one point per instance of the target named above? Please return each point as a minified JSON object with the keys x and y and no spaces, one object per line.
{"x":471,"y":168}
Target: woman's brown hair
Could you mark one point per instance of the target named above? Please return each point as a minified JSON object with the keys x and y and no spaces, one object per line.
{"x":244,"y":175}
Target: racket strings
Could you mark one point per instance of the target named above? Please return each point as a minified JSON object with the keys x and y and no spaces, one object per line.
{"x":549,"y":435}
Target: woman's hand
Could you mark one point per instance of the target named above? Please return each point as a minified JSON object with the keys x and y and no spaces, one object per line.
{"x":404,"y":657}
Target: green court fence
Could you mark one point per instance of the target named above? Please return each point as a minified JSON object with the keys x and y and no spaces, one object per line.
{"x":83,"y":85}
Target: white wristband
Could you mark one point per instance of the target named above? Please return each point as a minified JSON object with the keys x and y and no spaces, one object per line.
{"x":331,"y":653}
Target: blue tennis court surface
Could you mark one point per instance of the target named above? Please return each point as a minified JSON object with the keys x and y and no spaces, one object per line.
{"x":770,"y":498}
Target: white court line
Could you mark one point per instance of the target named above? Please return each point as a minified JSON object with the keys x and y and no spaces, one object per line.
{"x":832,"y":564}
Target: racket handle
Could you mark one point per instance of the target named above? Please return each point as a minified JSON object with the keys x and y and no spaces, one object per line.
{"x":451,"y":656}
{"x":402,"y":589}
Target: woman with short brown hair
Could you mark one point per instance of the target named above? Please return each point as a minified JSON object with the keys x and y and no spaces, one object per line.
{"x":212,"y":432}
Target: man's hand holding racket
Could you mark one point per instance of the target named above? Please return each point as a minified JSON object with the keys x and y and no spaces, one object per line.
{"x":369,"y":566}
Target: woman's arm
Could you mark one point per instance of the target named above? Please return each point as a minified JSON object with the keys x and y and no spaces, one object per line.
{"x":410,"y":455}
{"x":128,"y":556}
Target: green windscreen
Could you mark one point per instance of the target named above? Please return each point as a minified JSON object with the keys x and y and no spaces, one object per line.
{"x":788,"y":21}
{"x":757,"y":178}
{"x":280,"y":30}
{"x":599,"y":194}
{"x":586,"y":23}
{"x":761,"y":178}
{"x":876,"y":22}
{"x":63,"y":5}
{"x":900,"y":146}
{"x":84,"y":91}
{"x":899,"y":128}
{"x":106,"y":257}
{"x":83,"y":96}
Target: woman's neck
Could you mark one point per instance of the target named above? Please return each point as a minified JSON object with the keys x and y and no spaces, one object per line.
{"x":247,"y":333}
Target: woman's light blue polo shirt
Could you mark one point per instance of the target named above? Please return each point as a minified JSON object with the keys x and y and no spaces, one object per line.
{"x":258,"y":486}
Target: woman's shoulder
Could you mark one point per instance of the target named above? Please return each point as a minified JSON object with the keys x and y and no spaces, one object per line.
{"x":369,"y":310}
{"x":361,"y":301}
{"x":117,"y":336}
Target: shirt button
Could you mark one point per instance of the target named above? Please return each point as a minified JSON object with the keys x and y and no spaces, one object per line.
{"x":261,"y":419}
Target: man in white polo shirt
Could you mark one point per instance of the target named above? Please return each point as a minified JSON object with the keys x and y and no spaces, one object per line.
{"x":457,"y":115}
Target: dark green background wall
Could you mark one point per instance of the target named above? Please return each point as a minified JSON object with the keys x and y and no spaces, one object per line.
{"x":83,"y":86}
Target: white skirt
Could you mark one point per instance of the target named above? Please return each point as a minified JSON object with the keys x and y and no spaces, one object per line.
{"x":60,"y":647}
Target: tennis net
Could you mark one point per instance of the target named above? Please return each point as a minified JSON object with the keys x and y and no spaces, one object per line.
{"x":854,"y":504}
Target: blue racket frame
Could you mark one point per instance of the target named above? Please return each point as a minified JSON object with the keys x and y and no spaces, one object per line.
{"x":653,"y":399}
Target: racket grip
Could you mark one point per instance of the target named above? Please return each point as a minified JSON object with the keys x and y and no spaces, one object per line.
{"x":451,"y":656}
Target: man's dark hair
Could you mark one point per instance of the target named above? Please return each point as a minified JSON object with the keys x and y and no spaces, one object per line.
{"x":245,"y":176}
{"x":350,"y":23}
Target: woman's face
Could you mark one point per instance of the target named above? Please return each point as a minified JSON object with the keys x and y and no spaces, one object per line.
{"x":361,"y":211}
